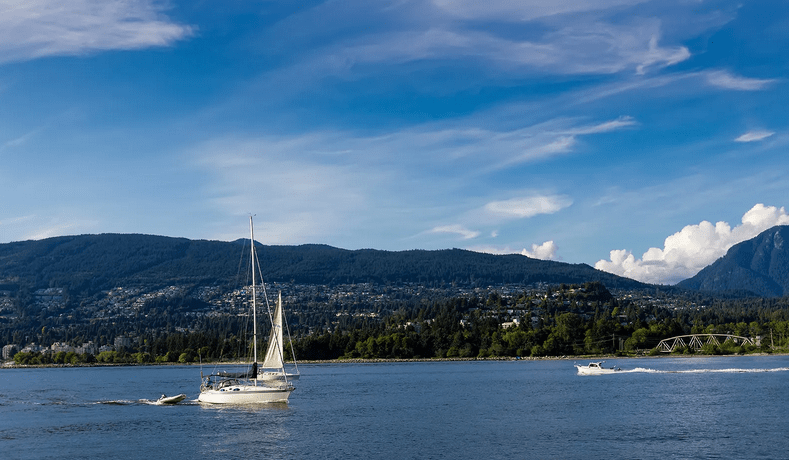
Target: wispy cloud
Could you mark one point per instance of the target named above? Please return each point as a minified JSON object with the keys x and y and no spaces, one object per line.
{"x":519,"y":208}
{"x":686,"y":252}
{"x":19,"y":141}
{"x":543,"y":141}
{"x":605,"y":127}
{"x":661,"y":57}
{"x":753,"y":136}
{"x":525,"y":10}
{"x":726,"y":80}
{"x":31,"y":29}
{"x":313,"y":197}
{"x":422,"y":33}
{"x":36,"y":227}
{"x":456,"y":229}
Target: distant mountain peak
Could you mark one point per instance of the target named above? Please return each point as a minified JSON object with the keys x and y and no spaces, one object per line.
{"x":759,"y":265}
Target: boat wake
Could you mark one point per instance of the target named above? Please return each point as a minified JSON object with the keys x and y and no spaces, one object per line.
{"x":703,"y":371}
{"x":148,"y":402}
{"x":118,"y":402}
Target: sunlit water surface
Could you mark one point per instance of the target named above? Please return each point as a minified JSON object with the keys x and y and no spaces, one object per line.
{"x":731,"y":407}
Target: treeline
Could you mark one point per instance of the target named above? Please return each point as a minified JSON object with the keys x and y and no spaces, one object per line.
{"x":178,"y":347}
{"x":464,"y":330}
{"x":471,"y":329}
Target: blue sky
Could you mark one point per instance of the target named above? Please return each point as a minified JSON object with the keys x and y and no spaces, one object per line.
{"x":641,"y":137}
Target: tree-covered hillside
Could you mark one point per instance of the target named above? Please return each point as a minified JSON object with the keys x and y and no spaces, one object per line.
{"x":86,"y":264}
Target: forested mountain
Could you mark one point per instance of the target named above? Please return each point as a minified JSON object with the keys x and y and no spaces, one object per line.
{"x":89,"y":263}
{"x":173,"y":299}
{"x":759,"y":266}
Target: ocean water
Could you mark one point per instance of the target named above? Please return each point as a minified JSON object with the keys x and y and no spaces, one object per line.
{"x":656,"y":408}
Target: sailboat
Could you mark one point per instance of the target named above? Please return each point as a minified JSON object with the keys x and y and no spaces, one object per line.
{"x":273,"y":367}
{"x":245,"y":387}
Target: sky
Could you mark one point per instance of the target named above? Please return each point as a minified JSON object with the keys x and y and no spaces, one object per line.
{"x":643,"y":138}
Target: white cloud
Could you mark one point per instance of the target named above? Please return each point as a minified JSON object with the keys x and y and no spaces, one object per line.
{"x":451,"y":36}
{"x":686,"y":252}
{"x":519,"y":208}
{"x":753,"y":136}
{"x":35,"y":227}
{"x":308,"y":198}
{"x":327,"y":182}
{"x":31,"y":29}
{"x":524,"y":10}
{"x":456,"y":229}
{"x":545,"y":251}
{"x":661,"y":57}
{"x":726,"y":80}
{"x":607,"y":126}
{"x":542,"y":141}
{"x":577,"y":48}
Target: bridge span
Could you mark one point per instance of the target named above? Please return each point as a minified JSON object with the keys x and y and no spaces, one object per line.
{"x":697,"y":341}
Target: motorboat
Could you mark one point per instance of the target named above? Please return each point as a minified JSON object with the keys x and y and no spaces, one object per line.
{"x":164,"y":399}
{"x":595,"y":368}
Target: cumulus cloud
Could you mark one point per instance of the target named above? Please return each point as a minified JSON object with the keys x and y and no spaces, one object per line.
{"x":726,"y":80}
{"x":456,"y":229}
{"x":686,"y":252}
{"x":545,"y":251}
{"x":31,"y":29}
{"x":519,"y":208}
{"x":753,"y":136}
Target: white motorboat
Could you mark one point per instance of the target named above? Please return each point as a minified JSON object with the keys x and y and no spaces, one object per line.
{"x":164,"y":399}
{"x":595,"y":368}
{"x":245,"y":387}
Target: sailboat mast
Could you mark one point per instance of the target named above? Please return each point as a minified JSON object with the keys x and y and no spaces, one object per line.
{"x":254,"y":296}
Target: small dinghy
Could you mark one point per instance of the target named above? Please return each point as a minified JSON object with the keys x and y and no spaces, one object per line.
{"x":164,"y":399}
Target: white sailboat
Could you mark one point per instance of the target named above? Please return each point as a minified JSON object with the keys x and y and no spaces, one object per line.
{"x":273,"y":367}
{"x":245,"y":387}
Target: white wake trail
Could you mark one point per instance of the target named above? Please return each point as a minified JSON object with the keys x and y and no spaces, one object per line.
{"x":703,"y":371}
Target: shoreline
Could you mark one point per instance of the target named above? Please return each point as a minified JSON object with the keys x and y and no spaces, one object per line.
{"x":11,"y":365}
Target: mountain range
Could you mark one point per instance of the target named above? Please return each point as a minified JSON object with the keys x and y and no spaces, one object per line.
{"x":86,"y":264}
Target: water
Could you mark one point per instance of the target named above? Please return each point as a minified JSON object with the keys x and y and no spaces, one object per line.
{"x":667,"y":408}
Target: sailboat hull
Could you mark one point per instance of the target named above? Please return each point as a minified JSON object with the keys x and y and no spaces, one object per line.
{"x":245,"y":394}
